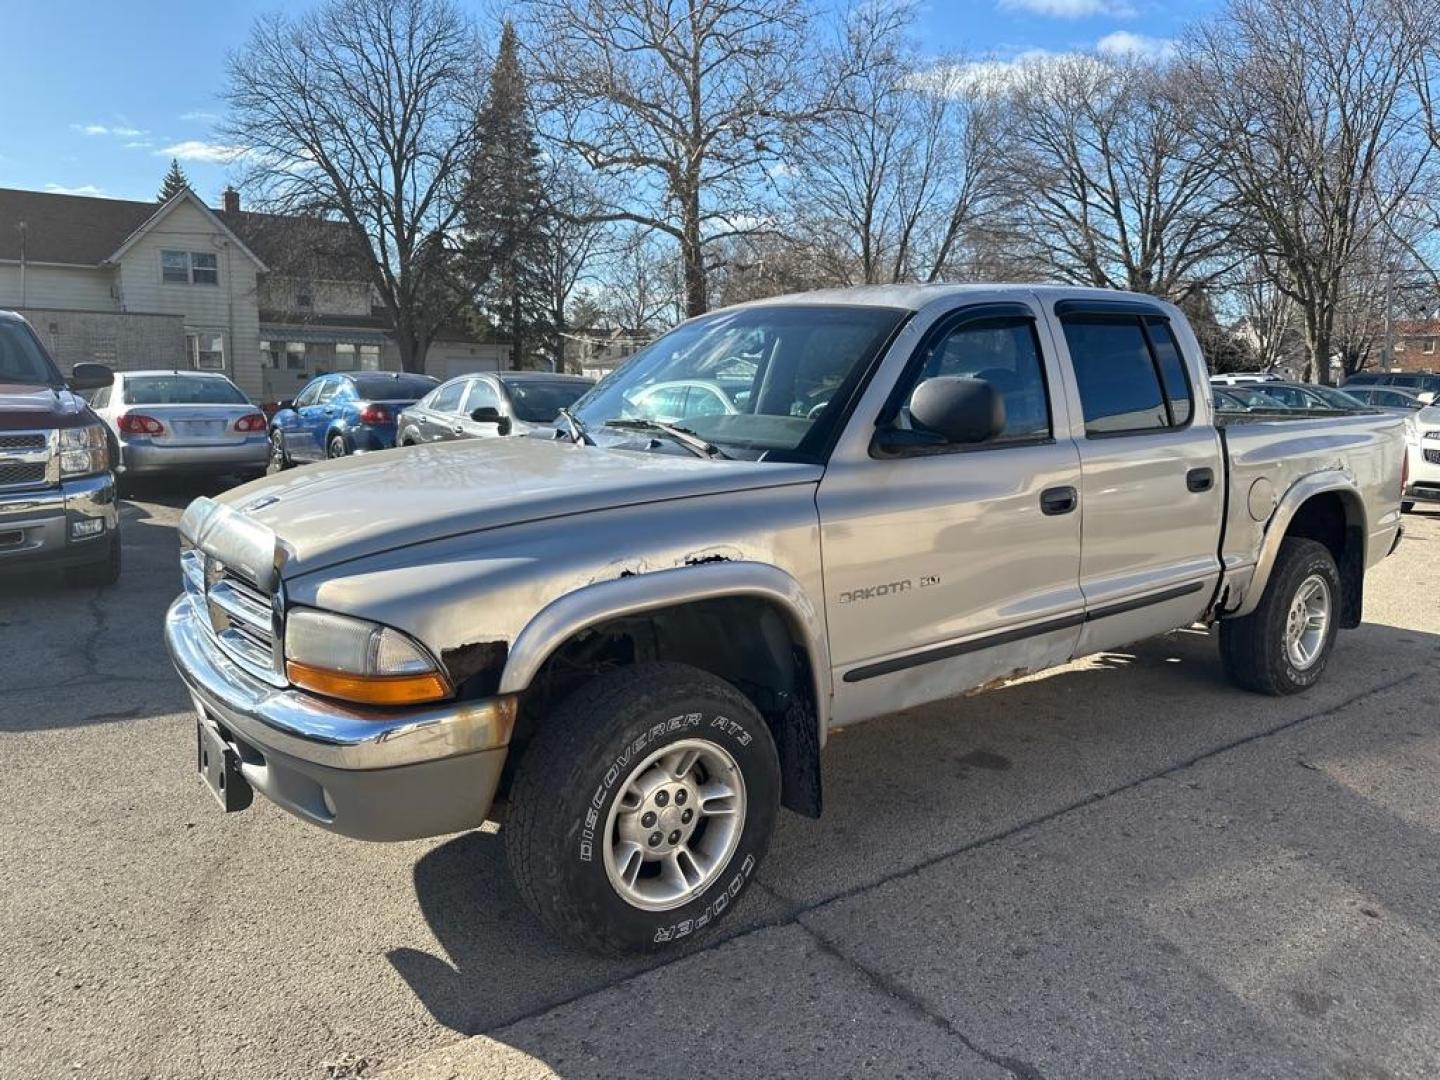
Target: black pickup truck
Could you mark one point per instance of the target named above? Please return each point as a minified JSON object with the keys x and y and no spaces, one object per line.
{"x":57,"y":493}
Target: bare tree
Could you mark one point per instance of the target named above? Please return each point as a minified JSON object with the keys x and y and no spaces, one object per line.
{"x":889,"y":179}
{"x":682,"y":104}
{"x":1311,"y":105}
{"x":1108,"y":181}
{"x":362,"y":110}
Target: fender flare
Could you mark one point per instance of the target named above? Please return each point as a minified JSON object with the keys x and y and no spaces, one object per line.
{"x":567,"y":615}
{"x":1300,"y":492}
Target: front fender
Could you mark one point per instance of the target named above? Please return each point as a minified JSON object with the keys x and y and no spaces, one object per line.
{"x":1301,"y":492}
{"x":601,"y":601}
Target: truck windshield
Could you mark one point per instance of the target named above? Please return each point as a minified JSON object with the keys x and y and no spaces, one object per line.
{"x":22,"y":360}
{"x":766,"y":381}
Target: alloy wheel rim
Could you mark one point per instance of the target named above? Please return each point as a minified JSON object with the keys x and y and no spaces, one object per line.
{"x":277,"y":448}
{"x":1307,"y":622}
{"x":674,"y":825}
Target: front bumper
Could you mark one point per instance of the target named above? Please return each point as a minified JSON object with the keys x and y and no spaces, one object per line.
{"x":146,"y":458}
{"x":373,"y":774}
{"x":1424,"y":483}
{"x":57,"y":526}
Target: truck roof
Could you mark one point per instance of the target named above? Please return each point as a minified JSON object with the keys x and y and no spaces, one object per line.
{"x":914,"y":297}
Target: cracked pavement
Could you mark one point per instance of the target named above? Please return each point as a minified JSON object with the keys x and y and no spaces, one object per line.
{"x":1121,"y":868}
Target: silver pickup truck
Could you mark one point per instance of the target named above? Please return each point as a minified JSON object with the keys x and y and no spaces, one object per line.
{"x":629,"y":638}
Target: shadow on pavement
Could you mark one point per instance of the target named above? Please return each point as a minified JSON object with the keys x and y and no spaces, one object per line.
{"x":915,"y":791}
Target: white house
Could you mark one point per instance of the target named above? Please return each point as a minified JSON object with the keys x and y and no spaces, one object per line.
{"x":270,"y":301}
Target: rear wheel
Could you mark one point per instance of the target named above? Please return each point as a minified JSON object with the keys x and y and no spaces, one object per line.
{"x":642,"y":808}
{"x":336,"y":446}
{"x":1282,"y":647}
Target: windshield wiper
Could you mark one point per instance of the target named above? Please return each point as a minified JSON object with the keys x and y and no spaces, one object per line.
{"x":578,"y":431}
{"x":684,"y":436}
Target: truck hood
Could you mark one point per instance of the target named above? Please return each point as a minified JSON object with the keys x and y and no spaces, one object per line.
{"x":24,"y":406}
{"x":359,"y":506}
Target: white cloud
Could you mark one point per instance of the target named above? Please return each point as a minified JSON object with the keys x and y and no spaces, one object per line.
{"x":83,"y":189}
{"x":121,"y":131}
{"x":1122,"y":43}
{"x":1071,"y":9}
{"x":199,"y":116}
{"x":199,"y":150}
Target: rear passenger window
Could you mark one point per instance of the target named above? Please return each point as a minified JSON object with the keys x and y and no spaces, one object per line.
{"x":1172,"y":371}
{"x":1005,"y":354}
{"x":1124,"y":387}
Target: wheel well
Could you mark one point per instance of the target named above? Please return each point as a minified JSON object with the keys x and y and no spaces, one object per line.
{"x":746,"y":641}
{"x":1332,"y":519}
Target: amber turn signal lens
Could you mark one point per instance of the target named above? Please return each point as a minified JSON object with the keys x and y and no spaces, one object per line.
{"x":369,"y":689}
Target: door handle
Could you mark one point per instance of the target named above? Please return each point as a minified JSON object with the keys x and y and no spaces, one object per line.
{"x":1058,"y":500}
{"x":458,"y":429}
{"x":1200,"y":479}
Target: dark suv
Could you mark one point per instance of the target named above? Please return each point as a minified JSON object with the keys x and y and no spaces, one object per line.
{"x":57,"y":494}
{"x":1419,"y":381}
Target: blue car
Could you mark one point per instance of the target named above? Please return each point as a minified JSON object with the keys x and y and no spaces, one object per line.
{"x":348,"y":412}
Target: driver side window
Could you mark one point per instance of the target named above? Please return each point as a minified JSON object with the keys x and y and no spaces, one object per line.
{"x":308,"y":395}
{"x":1005,"y":353}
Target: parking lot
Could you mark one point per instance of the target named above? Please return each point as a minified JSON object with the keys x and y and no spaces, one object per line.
{"x":1121,"y":868}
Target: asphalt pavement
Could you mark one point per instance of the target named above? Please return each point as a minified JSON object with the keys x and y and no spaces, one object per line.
{"x":1121,"y":868}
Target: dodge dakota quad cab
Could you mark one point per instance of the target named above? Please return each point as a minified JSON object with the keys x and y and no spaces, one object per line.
{"x":634,"y":634}
{"x":57,"y":494}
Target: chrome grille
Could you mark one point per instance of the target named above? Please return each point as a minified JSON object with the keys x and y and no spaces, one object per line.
{"x":21,"y":473}
{"x":240,"y":616}
{"x":26,"y":459}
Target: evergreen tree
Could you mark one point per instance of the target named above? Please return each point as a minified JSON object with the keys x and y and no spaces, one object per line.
{"x":507,"y":217}
{"x":175,"y":182}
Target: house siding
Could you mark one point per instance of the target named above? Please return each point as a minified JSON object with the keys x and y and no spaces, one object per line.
{"x":76,"y":287}
{"x":229,"y":307}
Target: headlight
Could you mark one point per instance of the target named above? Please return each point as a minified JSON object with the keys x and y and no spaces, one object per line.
{"x":355,"y":660}
{"x":83,"y":450}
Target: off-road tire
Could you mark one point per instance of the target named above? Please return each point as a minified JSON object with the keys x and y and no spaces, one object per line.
{"x":1253,"y":649}
{"x":574,"y":769}
{"x":100,"y":573}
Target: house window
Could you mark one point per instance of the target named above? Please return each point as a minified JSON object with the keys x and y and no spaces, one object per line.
{"x":189,"y":268}
{"x":207,"y":350}
{"x":295,"y":356}
{"x":304,"y":300}
{"x":1429,"y":346}
{"x":369,"y":357}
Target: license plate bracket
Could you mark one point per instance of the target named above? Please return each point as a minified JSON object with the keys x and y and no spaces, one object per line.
{"x":219,"y":768}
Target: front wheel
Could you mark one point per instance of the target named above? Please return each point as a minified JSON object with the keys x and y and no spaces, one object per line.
{"x":100,"y":573}
{"x":1406,"y":507}
{"x":1283,"y":645}
{"x":642,"y":808}
{"x":279,"y":456}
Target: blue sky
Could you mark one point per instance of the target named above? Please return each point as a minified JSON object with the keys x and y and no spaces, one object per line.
{"x":98,"y":96}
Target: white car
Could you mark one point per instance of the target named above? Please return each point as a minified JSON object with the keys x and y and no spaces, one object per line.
{"x":182,"y":423}
{"x":1422,"y":473}
{"x":1244,"y":378}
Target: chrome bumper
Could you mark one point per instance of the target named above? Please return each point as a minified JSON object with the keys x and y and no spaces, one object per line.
{"x":367,"y":774}
{"x":40,"y":524}
{"x":319,"y":730}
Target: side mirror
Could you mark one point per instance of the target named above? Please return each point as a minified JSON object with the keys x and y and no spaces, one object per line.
{"x":962,"y":411}
{"x":488,"y":414}
{"x":90,"y":377}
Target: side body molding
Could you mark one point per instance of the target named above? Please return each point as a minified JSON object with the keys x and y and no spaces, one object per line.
{"x":639,"y":593}
{"x":1304,"y":489}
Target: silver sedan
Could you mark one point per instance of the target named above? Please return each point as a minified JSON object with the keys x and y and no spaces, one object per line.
{"x":182,"y":422}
